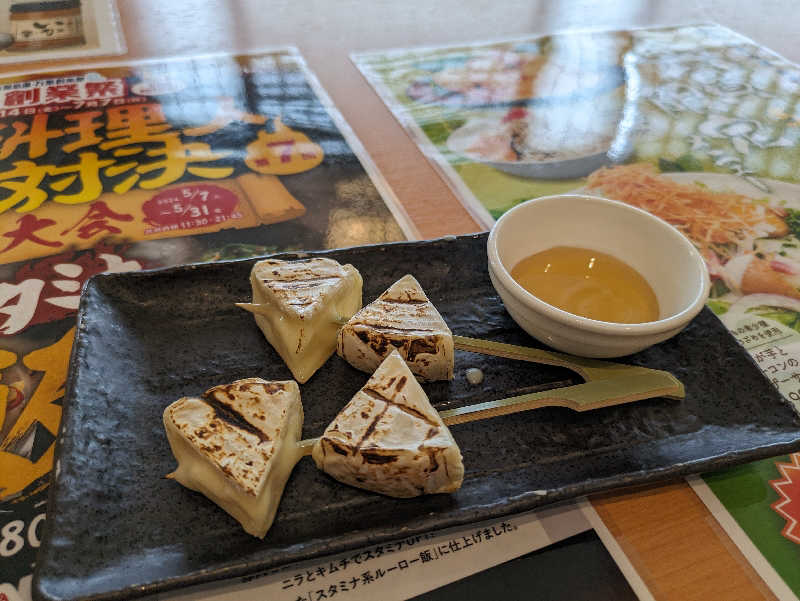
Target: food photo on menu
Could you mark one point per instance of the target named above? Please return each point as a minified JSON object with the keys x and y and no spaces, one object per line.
{"x":694,"y":124}
{"x":633,"y":116}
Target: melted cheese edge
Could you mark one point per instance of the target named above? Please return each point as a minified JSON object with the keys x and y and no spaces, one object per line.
{"x":255,"y":512}
{"x":409,"y":450}
{"x":306,"y":340}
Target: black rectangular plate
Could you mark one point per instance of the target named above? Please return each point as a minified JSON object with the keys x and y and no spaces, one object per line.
{"x":117,"y":529}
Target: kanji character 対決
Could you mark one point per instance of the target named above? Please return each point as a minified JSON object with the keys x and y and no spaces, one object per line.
{"x":129,"y":127}
{"x":87,"y":171}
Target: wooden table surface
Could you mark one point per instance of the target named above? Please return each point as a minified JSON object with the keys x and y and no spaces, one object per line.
{"x":672,"y":540}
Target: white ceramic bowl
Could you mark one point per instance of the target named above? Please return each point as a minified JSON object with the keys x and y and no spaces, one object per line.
{"x":668,"y":261}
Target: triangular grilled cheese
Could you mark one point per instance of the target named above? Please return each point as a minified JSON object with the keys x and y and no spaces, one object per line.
{"x":401,"y":318}
{"x":389,"y":439}
{"x":300,"y":305}
{"x":237,"y":445}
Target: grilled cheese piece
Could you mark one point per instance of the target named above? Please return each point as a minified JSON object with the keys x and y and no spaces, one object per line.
{"x":237,"y":445}
{"x":390,"y":440}
{"x":401,"y":318}
{"x":299,"y":306}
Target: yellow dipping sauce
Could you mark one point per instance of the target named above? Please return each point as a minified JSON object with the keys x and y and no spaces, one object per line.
{"x":588,"y":283}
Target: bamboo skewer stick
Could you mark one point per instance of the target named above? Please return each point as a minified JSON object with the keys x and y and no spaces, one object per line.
{"x":607,"y":384}
{"x":588,"y":369}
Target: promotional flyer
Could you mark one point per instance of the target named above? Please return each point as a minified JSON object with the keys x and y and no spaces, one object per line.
{"x":695,"y":124}
{"x":138,"y":166}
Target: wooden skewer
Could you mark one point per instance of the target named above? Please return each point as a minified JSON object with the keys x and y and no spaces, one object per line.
{"x":607,"y":384}
{"x":588,"y":369}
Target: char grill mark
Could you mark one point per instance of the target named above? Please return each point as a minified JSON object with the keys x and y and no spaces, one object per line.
{"x":337,"y":448}
{"x":416,"y":347}
{"x":228,"y":414}
{"x":379,"y":346}
{"x":273,"y":387}
{"x":371,"y":428}
{"x":377,"y":458}
{"x":420,"y":347}
{"x":404,"y":408}
{"x":282,"y":286}
{"x":304,"y":280}
{"x":432,"y":458}
{"x":401,"y":301}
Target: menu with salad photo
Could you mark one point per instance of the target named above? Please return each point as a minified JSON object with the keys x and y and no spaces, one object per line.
{"x":695,"y":124}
